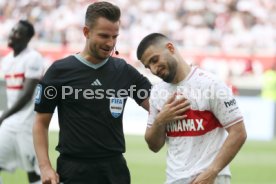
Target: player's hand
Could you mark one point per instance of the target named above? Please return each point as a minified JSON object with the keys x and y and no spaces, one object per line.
{"x":173,"y":109}
{"x":49,"y":176}
{"x":206,"y":177}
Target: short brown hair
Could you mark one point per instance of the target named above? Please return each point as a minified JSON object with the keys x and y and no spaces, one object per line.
{"x":101,"y":9}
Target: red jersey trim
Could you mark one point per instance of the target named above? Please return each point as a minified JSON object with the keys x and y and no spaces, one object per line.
{"x":17,"y":75}
{"x":15,"y":87}
{"x":233,"y":122}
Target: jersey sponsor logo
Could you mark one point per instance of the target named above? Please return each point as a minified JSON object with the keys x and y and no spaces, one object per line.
{"x":15,"y":81}
{"x":232,"y":110}
{"x":230,"y":103}
{"x":38,"y":93}
{"x":116,"y":106}
{"x":96,"y":83}
{"x":197,"y":123}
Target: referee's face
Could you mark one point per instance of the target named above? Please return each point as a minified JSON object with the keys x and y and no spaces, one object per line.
{"x":102,"y":38}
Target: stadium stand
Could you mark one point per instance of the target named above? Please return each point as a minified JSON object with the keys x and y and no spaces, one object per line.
{"x":226,"y":31}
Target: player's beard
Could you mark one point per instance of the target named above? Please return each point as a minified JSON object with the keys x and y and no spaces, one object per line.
{"x":172,"y":67}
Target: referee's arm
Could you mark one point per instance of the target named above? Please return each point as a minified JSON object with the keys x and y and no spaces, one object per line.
{"x":145,"y":104}
{"x":40,"y":136}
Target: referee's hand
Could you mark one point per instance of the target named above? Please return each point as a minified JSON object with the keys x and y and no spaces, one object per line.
{"x":49,"y":176}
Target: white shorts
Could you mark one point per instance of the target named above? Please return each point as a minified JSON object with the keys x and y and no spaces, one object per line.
{"x":223,"y":179}
{"x":17,"y":151}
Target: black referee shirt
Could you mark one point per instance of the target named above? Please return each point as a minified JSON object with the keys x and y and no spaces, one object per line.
{"x":90,"y":100}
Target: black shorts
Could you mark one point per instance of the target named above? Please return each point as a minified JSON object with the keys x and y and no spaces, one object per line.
{"x":105,"y":171}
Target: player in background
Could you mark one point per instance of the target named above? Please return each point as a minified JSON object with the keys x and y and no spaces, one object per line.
{"x":22,"y":68}
{"x":90,"y":90}
{"x":201,"y":141}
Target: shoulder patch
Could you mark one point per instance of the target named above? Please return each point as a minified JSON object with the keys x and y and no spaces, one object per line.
{"x":38,"y":93}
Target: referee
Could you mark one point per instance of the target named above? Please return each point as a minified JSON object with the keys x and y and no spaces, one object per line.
{"x":90,"y":90}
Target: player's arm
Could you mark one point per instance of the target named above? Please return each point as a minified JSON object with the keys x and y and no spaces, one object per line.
{"x":25,"y":97}
{"x":40,"y":136}
{"x":145,"y":104}
{"x":231,"y":118}
{"x":234,"y":141}
{"x":173,"y":110}
{"x":155,"y":136}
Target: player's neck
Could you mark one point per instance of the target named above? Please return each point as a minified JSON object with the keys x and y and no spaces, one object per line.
{"x":17,"y":51}
{"x":182,"y":72}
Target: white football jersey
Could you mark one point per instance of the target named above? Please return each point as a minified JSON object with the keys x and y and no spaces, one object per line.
{"x":28,"y":64}
{"x":194,"y":142}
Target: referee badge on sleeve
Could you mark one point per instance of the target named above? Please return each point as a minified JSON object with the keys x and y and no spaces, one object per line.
{"x":38,"y":93}
{"x":116,"y":106}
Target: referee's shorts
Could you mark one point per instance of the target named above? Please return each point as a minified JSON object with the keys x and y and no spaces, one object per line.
{"x":111,"y":170}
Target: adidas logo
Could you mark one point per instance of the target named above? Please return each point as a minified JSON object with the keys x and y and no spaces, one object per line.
{"x":96,"y":83}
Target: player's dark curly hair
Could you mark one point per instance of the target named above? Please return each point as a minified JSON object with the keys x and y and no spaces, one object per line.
{"x":151,"y":39}
{"x":30,"y":28}
{"x":101,"y":9}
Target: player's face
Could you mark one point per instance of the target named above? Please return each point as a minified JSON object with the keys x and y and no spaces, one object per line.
{"x":102,"y":38}
{"x":172,"y":67}
{"x":160,"y":62}
{"x":18,"y":37}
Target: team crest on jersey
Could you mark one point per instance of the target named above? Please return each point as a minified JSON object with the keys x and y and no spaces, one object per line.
{"x":38,"y":93}
{"x":116,"y":106}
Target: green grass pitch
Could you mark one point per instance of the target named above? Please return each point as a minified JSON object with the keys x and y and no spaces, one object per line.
{"x":255,"y":164}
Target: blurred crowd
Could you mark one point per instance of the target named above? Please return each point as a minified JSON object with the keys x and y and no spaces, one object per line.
{"x":243,"y":27}
{"x":210,"y":24}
